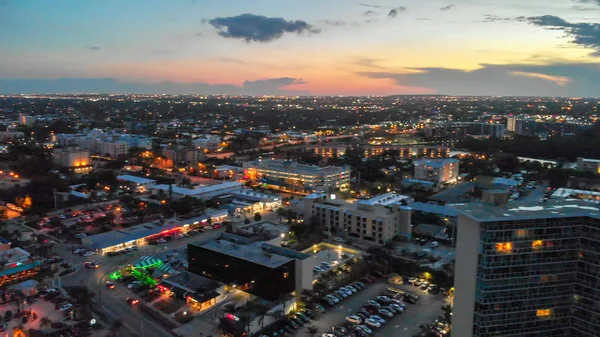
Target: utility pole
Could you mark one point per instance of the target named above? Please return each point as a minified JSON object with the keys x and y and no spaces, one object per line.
{"x":55,"y":201}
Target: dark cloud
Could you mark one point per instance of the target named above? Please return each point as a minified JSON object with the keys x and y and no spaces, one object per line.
{"x":583,"y":34}
{"x":369,"y":5}
{"x":495,"y":18}
{"x":273,"y":86}
{"x":558,"y":79}
{"x":597,"y":2}
{"x":447,"y":8}
{"x":585,"y":9}
{"x":394,"y":12}
{"x":250,"y":27}
{"x":369,"y":13}
{"x":94,"y":48}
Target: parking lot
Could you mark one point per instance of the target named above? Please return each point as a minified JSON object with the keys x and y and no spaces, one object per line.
{"x":424,"y":311}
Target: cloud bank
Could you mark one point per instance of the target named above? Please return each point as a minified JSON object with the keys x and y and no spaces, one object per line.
{"x":271,"y":86}
{"x":258,"y":28}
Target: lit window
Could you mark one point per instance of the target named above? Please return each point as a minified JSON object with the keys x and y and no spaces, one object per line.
{"x":537,"y":244}
{"x":543,"y":312}
{"x":521,"y":233}
{"x":505,"y":247}
{"x":286,"y":275}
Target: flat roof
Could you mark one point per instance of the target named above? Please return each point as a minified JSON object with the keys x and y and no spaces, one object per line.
{"x":483,"y":212}
{"x":436,"y":162}
{"x":257,"y":252}
{"x":116,"y":237}
{"x":135,"y":179}
{"x":566,"y":192}
{"x":199,"y":190}
{"x":191,"y":282}
{"x":383,"y":199}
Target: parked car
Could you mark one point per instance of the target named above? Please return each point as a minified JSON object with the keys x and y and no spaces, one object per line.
{"x":65,"y":307}
{"x":91,"y":265}
{"x":378,"y":319}
{"x":386,"y":313}
{"x":372,"y":323}
{"x":354,"y":319}
{"x":365,"y":329}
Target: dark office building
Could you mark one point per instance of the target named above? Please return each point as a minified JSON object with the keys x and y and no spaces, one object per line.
{"x":259,"y":268}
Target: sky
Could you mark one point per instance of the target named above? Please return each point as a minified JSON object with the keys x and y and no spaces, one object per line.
{"x":302,"y":47}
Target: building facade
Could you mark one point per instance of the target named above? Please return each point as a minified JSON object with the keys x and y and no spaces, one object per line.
{"x":75,"y":159}
{"x":527,"y":270}
{"x":256,"y":267}
{"x":586,"y":164}
{"x":437,"y":170}
{"x":375,"y":220}
{"x":294,"y":177}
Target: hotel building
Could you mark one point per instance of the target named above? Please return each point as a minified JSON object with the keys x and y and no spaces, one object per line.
{"x":437,"y":170}
{"x":290,"y":176}
{"x":527,"y":270}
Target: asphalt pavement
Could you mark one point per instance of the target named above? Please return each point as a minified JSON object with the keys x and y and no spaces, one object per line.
{"x":425,"y":311}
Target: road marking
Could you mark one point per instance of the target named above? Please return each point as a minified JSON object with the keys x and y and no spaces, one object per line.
{"x":404,"y":329}
{"x":397,"y":326}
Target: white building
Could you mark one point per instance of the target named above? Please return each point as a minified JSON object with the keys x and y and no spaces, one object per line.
{"x":208,"y":142}
{"x":27,"y":120}
{"x":75,"y":159}
{"x":586,"y":164}
{"x":290,"y":176}
{"x":437,"y":170}
{"x":141,"y":184}
{"x":113,"y":149}
{"x":200,"y":192}
{"x":252,"y":201}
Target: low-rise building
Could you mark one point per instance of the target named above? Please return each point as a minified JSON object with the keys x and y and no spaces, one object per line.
{"x":437,"y":170}
{"x":256,"y":267}
{"x":291,"y":176}
{"x":199,"y":292}
{"x":17,"y":265}
{"x":139,"y":183}
{"x":75,"y":159}
{"x":586,"y":164}
{"x":201,"y":192}
{"x":376,"y":220}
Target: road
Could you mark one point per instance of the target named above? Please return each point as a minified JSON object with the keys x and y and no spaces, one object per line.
{"x":113,"y":302}
{"x":425,"y":311}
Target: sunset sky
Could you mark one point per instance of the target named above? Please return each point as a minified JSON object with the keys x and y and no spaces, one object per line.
{"x":309,"y":47}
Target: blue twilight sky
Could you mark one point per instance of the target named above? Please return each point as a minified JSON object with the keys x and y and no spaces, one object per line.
{"x":479,"y":47}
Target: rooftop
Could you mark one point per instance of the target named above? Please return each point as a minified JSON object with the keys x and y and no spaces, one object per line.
{"x":483,"y":212}
{"x":135,"y":179}
{"x":292,"y":166}
{"x":384,"y":199}
{"x":115,"y":237}
{"x":191,"y":282}
{"x":257,"y":252}
{"x":202,"y":189}
{"x":436,"y":162}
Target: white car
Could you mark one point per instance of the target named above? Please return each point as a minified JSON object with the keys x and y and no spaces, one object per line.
{"x":351,"y":289}
{"x":66,"y":307}
{"x":89,"y":253}
{"x":333,"y":298}
{"x":397,"y":307}
{"x":353,"y":319}
{"x":373,"y":323}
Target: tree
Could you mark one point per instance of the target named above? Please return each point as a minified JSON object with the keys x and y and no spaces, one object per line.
{"x":257,"y":216}
{"x":18,"y":296}
{"x":312,"y":330}
{"x":30,"y":301}
{"x":262,"y":311}
{"x":116,"y":327}
{"x":45,"y":322}
{"x":83,"y":296}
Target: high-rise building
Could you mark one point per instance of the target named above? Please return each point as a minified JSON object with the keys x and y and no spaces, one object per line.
{"x":527,"y":270}
{"x":76,"y":159}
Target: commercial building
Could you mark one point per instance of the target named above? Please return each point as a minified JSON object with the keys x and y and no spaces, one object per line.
{"x":75,"y":159}
{"x":199,"y":292}
{"x":210,"y":143}
{"x":138,"y":235}
{"x":291,"y":176}
{"x":253,"y":201}
{"x":533,"y":126}
{"x":586,"y":164}
{"x":524,"y":270}
{"x":437,"y":170}
{"x":17,"y":265}
{"x":200,"y":192}
{"x":183,"y":156}
{"x":375,"y":220}
{"x":27,"y":119}
{"x":259,"y":268}
{"x":140,"y":184}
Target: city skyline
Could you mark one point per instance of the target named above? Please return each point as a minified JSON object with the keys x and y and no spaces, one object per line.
{"x":455,"y":47}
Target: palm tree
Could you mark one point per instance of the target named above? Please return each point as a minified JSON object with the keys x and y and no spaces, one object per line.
{"x":45,"y":322}
{"x":262,"y":311}
{"x":246,"y":318}
{"x":83,"y":296}
{"x":31,"y":300}
{"x":312,"y":330}
{"x":116,"y":327}
{"x":19,"y":296}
